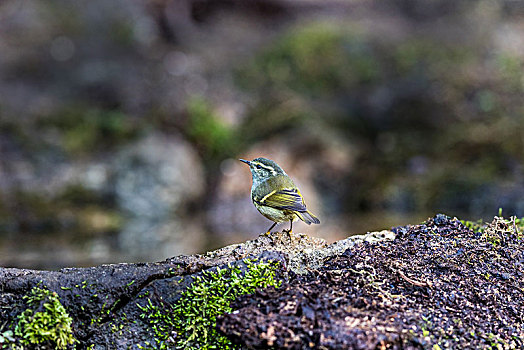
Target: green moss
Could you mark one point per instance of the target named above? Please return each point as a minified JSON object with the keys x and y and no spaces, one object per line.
{"x":190,"y":322}
{"x":441,"y":338}
{"x":500,"y":227}
{"x":475,"y":226}
{"x":512,"y":225}
{"x":45,"y":321}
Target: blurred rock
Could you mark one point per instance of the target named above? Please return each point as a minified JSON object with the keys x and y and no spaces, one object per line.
{"x":154,"y":181}
{"x":131,"y":206}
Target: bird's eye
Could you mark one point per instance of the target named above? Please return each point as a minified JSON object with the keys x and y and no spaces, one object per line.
{"x":258,"y":166}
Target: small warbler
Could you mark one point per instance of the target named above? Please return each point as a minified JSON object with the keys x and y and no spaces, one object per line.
{"x":275,"y":195}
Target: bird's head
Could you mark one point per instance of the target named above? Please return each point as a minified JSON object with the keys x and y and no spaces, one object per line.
{"x":263,"y":168}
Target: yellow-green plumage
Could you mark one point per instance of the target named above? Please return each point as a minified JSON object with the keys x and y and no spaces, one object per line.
{"x":275,"y":195}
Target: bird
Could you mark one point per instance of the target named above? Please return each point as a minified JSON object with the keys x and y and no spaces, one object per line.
{"x":275,"y":195}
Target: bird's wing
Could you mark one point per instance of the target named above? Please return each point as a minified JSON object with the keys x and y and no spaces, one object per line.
{"x":284,"y":199}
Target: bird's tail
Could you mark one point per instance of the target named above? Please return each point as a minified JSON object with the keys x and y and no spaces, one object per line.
{"x":308,"y":217}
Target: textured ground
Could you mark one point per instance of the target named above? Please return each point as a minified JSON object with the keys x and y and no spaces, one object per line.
{"x":436,"y":285}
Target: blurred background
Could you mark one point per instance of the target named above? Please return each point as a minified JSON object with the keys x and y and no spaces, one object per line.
{"x":121,"y":121}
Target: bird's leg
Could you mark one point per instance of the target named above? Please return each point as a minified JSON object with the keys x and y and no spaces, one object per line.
{"x":290,"y":227}
{"x":269,"y":231}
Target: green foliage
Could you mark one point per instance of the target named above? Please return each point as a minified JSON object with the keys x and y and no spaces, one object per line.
{"x":77,"y":195}
{"x":421,"y":55}
{"x":85,"y":130}
{"x":43,"y":212}
{"x":193,"y":316}
{"x":510,"y":67}
{"x":88,"y":212}
{"x":314,"y":60}
{"x":212,"y":136}
{"x":45,"y":321}
{"x":402,"y":104}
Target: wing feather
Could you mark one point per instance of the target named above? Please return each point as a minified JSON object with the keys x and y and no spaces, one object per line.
{"x":285,"y":199}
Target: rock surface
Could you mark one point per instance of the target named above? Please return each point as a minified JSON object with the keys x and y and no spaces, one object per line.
{"x":95,"y":297}
{"x":437,"y":285}
{"x":434,"y":284}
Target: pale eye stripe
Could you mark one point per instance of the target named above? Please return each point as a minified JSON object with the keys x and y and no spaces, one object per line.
{"x":273,"y":172}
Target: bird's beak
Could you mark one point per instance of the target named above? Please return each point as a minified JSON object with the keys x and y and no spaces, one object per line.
{"x":245,"y":161}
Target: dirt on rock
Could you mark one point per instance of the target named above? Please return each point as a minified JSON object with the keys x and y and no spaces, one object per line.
{"x":437,"y":285}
